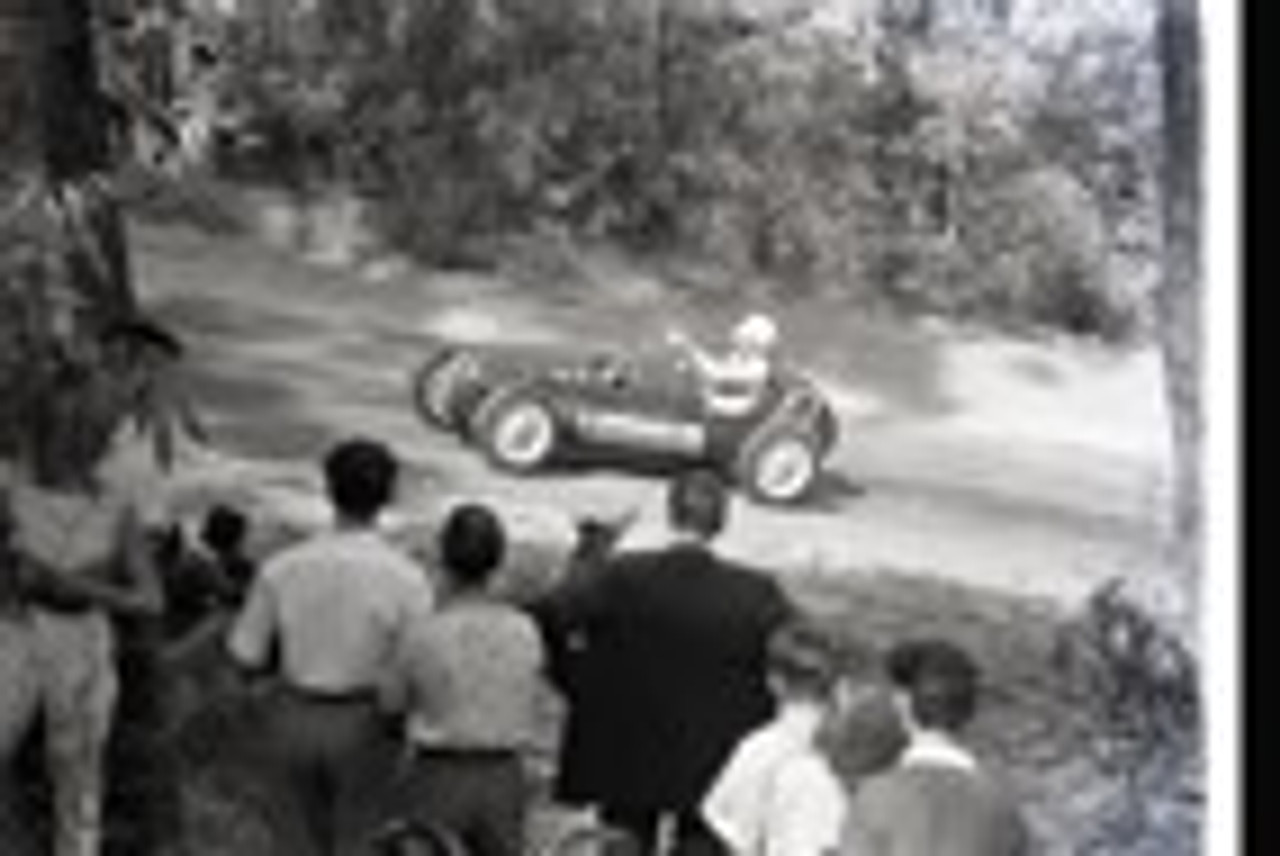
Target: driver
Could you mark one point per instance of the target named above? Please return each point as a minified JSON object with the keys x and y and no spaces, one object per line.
{"x":734,"y":382}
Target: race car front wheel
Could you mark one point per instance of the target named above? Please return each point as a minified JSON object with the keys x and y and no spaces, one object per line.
{"x":516,"y":430}
{"x":778,"y":468}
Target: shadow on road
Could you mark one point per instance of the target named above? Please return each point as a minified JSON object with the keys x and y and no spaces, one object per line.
{"x":835,"y":492}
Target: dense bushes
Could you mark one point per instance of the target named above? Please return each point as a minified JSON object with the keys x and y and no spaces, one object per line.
{"x":962,"y":174}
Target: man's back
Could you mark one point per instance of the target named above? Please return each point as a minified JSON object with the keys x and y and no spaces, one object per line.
{"x":473,"y":671}
{"x":673,"y":673}
{"x":336,"y":605}
{"x":935,"y":810}
{"x":680,"y":615}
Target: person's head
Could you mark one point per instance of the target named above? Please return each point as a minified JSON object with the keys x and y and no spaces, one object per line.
{"x":803,"y":662}
{"x":866,"y":733}
{"x":361,"y":477}
{"x":756,"y":334}
{"x":472,"y":545}
{"x":698,"y":503}
{"x":224,"y":529}
{"x":937,"y":683}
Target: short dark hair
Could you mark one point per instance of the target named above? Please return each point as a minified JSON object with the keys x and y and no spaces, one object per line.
{"x":361,"y":477}
{"x":224,"y":527}
{"x":865,"y":734}
{"x":699,"y":502}
{"x":804,"y":658}
{"x":940,"y":680}
{"x":472,"y":543}
{"x":138,"y":333}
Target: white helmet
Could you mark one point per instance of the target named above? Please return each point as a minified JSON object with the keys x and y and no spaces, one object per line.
{"x":757,"y":332}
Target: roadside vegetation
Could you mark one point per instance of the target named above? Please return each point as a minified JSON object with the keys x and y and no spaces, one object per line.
{"x":942,"y":166}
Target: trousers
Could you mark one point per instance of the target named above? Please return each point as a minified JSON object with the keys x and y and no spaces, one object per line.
{"x":329,"y":762}
{"x":60,"y":666}
{"x":479,"y":795}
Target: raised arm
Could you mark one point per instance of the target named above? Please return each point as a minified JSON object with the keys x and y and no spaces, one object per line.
{"x":703,"y":360}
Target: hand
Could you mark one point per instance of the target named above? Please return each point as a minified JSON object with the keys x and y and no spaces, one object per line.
{"x":675,"y":337}
{"x":44,"y":585}
{"x":603,"y":533}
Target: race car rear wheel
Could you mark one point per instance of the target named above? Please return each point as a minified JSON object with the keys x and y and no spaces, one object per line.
{"x":779,"y":468}
{"x":434,"y":385}
{"x":517,"y":430}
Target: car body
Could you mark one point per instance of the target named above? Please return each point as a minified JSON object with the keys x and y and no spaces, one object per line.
{"x":526,"y":405}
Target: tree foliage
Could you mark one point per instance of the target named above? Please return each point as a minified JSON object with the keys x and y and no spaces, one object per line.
{"x":68,"y":310}
{"x":933,"y":163}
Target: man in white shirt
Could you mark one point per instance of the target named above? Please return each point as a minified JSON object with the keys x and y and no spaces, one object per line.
{"x":328,"y":615}
{"x":778,"y":795}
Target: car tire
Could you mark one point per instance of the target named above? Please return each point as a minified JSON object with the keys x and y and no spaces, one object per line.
{"x":778,"y":467}
{"x":434,"y":385}
{"x":516,"y":429}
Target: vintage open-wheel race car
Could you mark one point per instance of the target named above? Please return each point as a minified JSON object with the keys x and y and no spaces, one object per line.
{"x":527,"y":405}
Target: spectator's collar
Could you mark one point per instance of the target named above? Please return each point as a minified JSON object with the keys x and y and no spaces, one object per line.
{"x":801,"y":719}
{"x":934,"y":749}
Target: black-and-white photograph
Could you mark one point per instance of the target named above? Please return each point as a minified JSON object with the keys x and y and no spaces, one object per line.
{"x":607,"y":427}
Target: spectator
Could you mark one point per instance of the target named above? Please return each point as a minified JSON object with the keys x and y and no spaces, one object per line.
{"x":329,"y":614}
{"x":18,"y":694}
{"x":224,"y":534}
{"x":80,"y":558}
{"x":471,"y":680}
{"x":864,"y":735}
{"x":779,"y":795}
{"x":210,"y":577}
{"x":937,"y":800}
{"x":661,"y":656}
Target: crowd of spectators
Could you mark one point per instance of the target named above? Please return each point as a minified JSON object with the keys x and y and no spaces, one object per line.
{"x":404,"y":699}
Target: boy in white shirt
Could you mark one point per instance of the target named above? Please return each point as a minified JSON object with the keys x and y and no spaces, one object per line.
{"x":778,"y":794}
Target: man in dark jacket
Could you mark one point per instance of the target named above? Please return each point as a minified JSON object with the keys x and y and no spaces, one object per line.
{"x":661,"y":657}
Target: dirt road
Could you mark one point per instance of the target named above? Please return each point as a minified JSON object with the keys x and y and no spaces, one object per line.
{"x":1035,"y":468}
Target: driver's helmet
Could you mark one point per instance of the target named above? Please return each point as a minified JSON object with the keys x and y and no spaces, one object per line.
{"x":757,"y":333}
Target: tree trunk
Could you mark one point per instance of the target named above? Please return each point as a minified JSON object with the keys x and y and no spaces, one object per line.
{"x":64,"y":266}
{"x":1179,"y":298}
{"x":19,"y":131}
{"x":57,"y":132}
